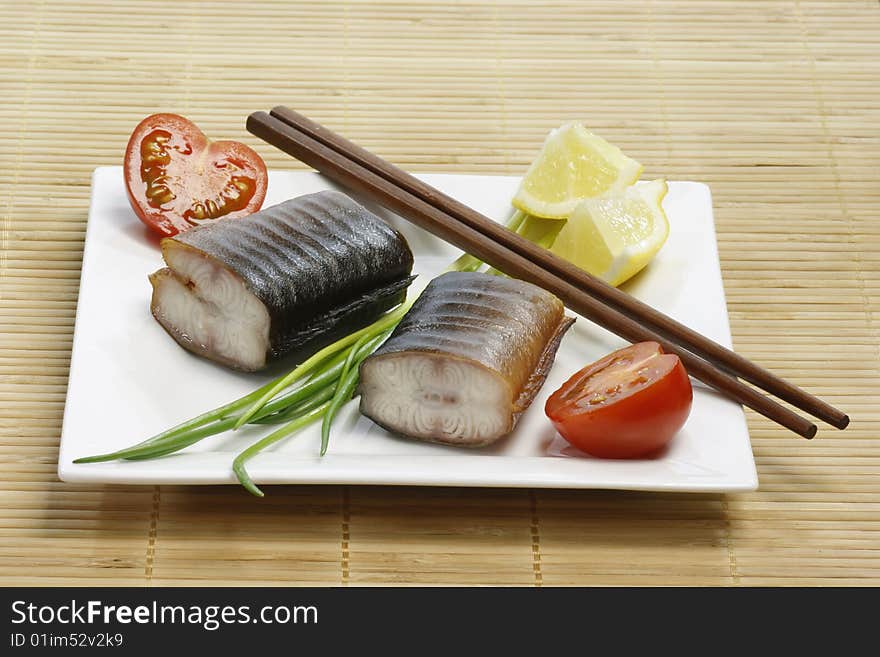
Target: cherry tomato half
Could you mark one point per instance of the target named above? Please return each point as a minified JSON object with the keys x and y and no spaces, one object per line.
{"x":177,"y":178}
{"x":628,"y":404}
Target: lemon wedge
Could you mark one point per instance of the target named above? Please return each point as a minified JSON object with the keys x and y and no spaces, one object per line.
{"x":615,"y":237}
{"x":573,"y":164}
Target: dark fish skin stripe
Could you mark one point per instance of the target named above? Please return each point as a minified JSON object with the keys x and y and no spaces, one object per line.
{"x":307,"y":260}
{"x":342,"y":320}
{"x":503,"y":324}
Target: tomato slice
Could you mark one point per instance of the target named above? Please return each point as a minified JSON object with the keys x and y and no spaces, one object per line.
{"x":628,"y":404}
{"x":177,"y":178}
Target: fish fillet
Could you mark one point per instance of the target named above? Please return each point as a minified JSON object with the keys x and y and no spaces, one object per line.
{"x":244,"y":292}
{"x":466,"y":360}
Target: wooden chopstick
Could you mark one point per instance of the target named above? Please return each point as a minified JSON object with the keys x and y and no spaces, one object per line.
{"x":628,"y":305}
{"x":349,"y":173}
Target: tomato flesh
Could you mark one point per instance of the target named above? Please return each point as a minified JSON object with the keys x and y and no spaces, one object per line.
{"x":629,"y":404}
{"x":177,"y":178}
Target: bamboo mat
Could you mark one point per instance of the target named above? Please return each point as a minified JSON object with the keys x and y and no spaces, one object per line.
{"x":775,"y":105}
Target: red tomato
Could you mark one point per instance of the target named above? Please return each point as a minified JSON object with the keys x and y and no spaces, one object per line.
{"x":177,"y":178}
{"x":629,"y":404}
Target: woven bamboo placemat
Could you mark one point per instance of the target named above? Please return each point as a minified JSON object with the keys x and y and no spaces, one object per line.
{"x":775,"y":105}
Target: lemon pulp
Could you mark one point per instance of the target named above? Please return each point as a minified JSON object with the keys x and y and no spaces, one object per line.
{"x":614,"y":237}
{"x":574,"y":164}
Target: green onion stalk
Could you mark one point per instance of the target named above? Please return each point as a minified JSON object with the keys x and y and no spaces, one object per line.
{"x":316,"y":389}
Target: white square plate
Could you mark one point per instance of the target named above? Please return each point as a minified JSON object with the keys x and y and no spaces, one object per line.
{"x":129,"y":380}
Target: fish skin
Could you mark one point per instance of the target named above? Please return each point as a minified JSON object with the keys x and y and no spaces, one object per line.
{"x":321,"y":264}
{"x":509,"y":327}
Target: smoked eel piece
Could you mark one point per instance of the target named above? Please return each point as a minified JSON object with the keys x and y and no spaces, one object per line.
{"x":465,"y":361}
{"x":244,"y":292}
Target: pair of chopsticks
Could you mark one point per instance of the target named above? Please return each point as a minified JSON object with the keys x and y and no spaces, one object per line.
{"x":378,"y":180}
